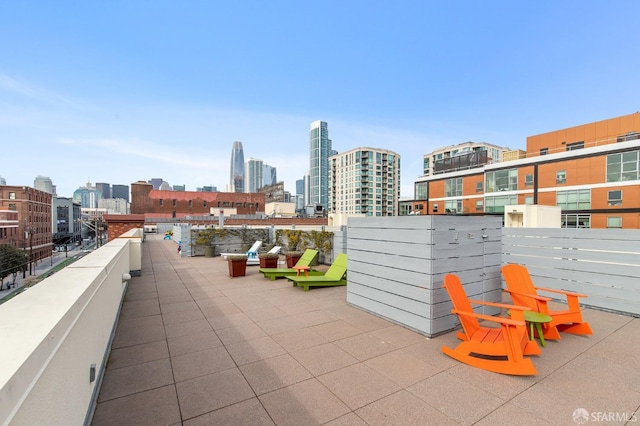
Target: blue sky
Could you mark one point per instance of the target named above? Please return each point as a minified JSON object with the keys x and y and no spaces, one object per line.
{"x":122,"y":91}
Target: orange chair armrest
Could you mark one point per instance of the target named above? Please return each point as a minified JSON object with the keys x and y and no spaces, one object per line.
{"x":500,"y":305}
{"x":533,"y":296}
{"x":567,"y":293}
{"x":500,"y":320}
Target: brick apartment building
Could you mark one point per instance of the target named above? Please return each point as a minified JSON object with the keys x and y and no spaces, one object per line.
{"x":178,"y":204}
{"x":29,"y":229}
{"x":592,"y":171}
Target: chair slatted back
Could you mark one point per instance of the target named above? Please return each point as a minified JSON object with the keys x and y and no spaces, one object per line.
{"x":338,"y":268}
{"x":461,"y":303}
{"x":517,"y":279}
{"x":307,"y":257}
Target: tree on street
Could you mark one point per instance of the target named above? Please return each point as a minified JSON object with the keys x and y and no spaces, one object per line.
{"x":12,"y":261}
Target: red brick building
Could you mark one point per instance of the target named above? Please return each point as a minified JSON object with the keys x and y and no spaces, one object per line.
{"x":31,"y":229}
{"x":118,"y":224}
{"x":178,"y":204}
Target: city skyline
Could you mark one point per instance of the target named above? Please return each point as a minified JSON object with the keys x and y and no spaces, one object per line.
{"x":107,"y":94}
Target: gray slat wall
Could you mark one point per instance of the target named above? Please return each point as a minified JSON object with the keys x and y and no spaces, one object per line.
{"x":396,"y":266}
{"x":602,"y":263}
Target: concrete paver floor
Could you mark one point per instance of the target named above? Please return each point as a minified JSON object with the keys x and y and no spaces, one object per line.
{"x":196,"y":347}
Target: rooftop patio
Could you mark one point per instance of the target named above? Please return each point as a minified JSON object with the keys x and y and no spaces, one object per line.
{"x":196,"y":347}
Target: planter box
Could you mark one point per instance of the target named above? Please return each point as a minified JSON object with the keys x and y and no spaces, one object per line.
{"x":269,"y":262}
{"x":292,"y":260}
{"x":209,"y":251}
{"x":237,"y":268}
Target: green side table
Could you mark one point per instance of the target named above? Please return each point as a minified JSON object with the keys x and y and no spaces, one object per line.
{"x":536,"y":319}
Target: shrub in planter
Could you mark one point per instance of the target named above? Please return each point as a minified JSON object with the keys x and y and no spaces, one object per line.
{"x":237,"y":265}
{"x":292,"y":258}
{"x":268,"y":260}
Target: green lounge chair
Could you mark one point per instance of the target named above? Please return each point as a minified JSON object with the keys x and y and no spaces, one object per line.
{"x":336,"y":275}
{"x":306,"y":259}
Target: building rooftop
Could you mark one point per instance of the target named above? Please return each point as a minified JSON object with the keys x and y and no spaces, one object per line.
{"x":196,"y":347}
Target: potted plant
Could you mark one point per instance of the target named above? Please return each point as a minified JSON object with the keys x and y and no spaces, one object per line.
{"x":292,"y":257}
{"x":237,"y":265}
{"x":205,"y":239}
{"x":268,"y":260}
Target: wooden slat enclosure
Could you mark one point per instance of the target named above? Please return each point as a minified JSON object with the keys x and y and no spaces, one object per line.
{"x":396,"y":266}
{"x":602,"y":263}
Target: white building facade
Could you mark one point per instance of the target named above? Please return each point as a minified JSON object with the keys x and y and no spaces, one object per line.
{"x":364,"y":181}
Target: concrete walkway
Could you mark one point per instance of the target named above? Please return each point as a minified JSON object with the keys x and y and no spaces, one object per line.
{"x":196,"y":347}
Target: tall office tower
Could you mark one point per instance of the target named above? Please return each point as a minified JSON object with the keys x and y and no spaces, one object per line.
{"x":253,"y":175}
{"x":3,"y":181}
{"x":180,"y":188}
{"x":300,"y":194}
{"x":365,"y":181}
{"x":269,"y":176}
{"x":120,"y":191}
{"x":320,"y":151}
{"x":156,"y":182}
{"x":87,"y":196}
{"x":236,"y":182}
{"x":44,"y":183}
{"x":105,"y":189}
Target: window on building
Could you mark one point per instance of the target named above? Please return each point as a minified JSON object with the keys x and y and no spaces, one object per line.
{"x":576,"y":221}
{"x":628,"y":137}
{"x":453,"y":187}
{"x":528,"y":180}
{"x":544,"y":151}
{"x":12,"y":195}
{"x":528,"y":200}
{"x":12,"y":207}
{"x":479,"y":205}
{"x":575,"y":145}
{"x":204,"y":204}
{"x":496,"y":204}
{"x":435,"y":207}
{"x":161,"y":202}
{"x":190,"y":203}
{"x":479,"y":186}
{"x":578,"y":199}
{"x":623,"y":166}
{"x":421,"y":190}
{"x":175,"y":202}
{"x":453,"y":206}
{"x":561,"y":176}
{"x":501,"y":180}
{"x":614,"y":222}
{"x":614,"y":198}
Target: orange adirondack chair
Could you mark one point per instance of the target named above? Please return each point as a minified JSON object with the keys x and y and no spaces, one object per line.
{"x":523,"y":292}
{"x":498,"y":349}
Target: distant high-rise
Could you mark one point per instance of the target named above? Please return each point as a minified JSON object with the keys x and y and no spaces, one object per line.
{"x":105,"y":189}
{"x":180,"y":188}
{"x":156,"y":182}
{"x":269,"y":176}
{"x":320,"y":151}
{"x":253,"y":175}
{"x":44,"y":183}
{"x":87,"y":196}
{"x":3,"y":181}
{"x":207,"y":188}
{"x":120,"y":191}
{"x":365,"y":181}
{"x":236,"y":182}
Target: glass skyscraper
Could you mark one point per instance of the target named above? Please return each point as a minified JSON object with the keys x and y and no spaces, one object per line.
{"x":253,"y":170}
{"x":236,"y":183}
{"x":320,"y":151}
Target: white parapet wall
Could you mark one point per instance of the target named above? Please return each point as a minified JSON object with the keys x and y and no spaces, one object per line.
{"x":55,"y":337}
